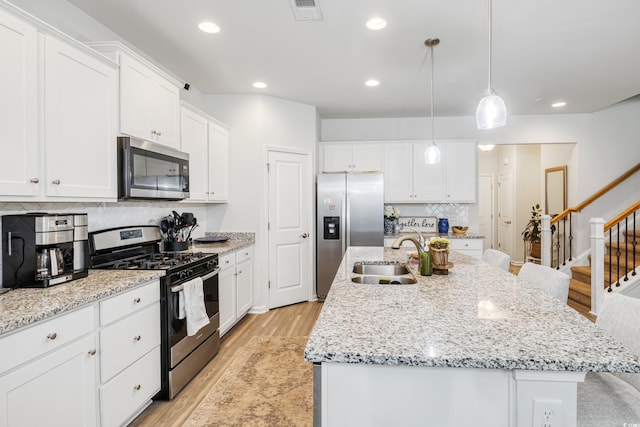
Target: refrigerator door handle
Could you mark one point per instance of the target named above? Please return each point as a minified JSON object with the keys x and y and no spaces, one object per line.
{"x":346,"y":241}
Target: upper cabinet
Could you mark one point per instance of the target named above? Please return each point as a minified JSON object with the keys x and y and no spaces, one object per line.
{"x":56,"y":89}
{"x":409,"y":180}
{"x":149,"y":99}
{"x":207,"y":142}
{"x":80,"y":123}
{"x":351,"y":157}
{"x":19,"y":106}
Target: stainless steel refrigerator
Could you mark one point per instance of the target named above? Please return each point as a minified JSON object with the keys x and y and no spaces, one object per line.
{"x":350,"y":212}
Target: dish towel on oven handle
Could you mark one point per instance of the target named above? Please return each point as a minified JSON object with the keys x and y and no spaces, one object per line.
{"x":191,"y":306}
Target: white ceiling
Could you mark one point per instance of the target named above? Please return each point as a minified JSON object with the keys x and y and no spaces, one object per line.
{"x":585,"y":52}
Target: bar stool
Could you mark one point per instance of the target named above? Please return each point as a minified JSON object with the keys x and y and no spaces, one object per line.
{"x":554,"y":282}
{"x":497,"y":258}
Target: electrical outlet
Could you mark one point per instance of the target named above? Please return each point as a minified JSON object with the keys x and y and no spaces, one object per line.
{"x":547,"y":413}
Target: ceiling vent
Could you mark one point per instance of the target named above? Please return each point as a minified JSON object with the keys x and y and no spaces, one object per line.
{"x":306,"y":10}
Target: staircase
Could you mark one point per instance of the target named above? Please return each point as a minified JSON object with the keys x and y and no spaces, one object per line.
{"x":580,"y":285}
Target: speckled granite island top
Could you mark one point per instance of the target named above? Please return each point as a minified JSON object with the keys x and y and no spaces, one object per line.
{"x":478,"y":316}
{"x":24,"y":306}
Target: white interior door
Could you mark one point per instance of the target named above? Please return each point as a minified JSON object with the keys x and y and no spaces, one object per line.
{"x":505,"y":213}
{"x":290,"y":204}
{"x":486,"y":208}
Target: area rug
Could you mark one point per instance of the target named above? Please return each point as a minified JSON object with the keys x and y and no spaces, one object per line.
{"x":267,"y":384}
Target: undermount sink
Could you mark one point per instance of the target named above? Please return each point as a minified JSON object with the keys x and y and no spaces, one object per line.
{"x":380,"y":273}
{"x":384,"y":280}
{"x":380,"y":269}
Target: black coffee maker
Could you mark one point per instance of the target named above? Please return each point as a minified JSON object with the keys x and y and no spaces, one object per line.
{"x":37,"y":250}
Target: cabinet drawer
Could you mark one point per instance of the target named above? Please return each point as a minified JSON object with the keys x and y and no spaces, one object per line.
{"x":226,"y":261}
{"x":129,"y":302}
{"x":128,"y":392}
{"x":44,"y":336}
{"x":244,"y":253}
{"x":123,"y":342}
{"x":466,"y":244}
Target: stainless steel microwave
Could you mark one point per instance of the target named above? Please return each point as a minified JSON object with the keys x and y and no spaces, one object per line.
{"x":147,"y":170}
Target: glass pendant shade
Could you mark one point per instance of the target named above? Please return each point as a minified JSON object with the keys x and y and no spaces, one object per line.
{"x":491,"y":112}
{"x":432,"y":154}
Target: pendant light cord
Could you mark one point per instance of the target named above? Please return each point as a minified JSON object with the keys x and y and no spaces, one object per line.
{"x":490,"y":45}
{"x":432,"y":96}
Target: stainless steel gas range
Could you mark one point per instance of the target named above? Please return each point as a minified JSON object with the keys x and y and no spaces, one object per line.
{"x":138,"y":247}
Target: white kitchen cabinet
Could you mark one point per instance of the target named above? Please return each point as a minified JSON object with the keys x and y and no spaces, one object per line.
{"x":19,"y":106}
{"x":148,"y":104}
{"x":207,"y":142}
{"x":149,"y":98}
{"x":471,"y":247}
{"x":130,"y":353}
{"x":218,"y":163}
{"x":351,"y":157}
{"x":80,"y":123}
{"x":48,"y":376}
{"x":408,"y":179}
{"x":235,"y":282}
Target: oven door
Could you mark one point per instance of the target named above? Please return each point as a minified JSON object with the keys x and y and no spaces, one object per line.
{"x":151,"y":171}
{"x":182,"y":344}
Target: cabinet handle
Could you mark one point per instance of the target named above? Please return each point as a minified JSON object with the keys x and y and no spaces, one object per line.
{"x":137,"y":387}
{"x":92,"y":352}
{"x":52,"y":336}
{"x":34,"y":180}
{"x":158,"y":133}
{"x":153,"y":132}
{"x":137,"y":338}
{"x":239,"y":271}
{"x":137,"y":300}
{"x":56,"y":182}
{"x":304,"y":236}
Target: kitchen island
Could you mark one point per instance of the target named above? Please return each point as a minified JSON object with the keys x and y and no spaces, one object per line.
{"x":475,"y":347}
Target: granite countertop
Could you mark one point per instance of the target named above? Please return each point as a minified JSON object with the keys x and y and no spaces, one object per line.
{"x":23,"y":306}
{"x":477,"y":316}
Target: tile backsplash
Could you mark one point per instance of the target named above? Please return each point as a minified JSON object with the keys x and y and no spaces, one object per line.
{"x":107,"y":215}
{"x":457,"y":213}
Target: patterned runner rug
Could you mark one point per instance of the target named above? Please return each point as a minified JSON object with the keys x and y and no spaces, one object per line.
{"x":267,"y":384}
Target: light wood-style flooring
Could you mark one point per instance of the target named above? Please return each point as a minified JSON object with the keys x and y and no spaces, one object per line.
{"x":291,"y":321}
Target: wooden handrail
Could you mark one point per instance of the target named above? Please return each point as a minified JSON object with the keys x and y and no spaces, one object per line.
{"x":596,"y":195}
{"x":631,"y":209}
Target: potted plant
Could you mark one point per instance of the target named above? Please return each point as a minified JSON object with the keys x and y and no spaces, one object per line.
{"x":532,"y":231}
{"x":391,"y":216}
{"x":439,"y":248}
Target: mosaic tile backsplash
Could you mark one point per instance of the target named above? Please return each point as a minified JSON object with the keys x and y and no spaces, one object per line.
{"x":457,"y":213}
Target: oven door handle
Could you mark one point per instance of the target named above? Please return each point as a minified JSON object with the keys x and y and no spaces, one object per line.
{"x":207,"y":276}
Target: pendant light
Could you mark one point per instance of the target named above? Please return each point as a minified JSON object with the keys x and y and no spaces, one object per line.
{"x":432,"y":152}
{"x":491,"y":112}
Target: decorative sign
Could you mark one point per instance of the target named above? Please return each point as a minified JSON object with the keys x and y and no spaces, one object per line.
{"x":428,"y":224}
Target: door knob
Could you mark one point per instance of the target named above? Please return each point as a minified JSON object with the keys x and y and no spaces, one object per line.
{"x":35,"y":180}
{"x":507,"y":222}
{"x":304,"y":236}
{"x":56,"y":182}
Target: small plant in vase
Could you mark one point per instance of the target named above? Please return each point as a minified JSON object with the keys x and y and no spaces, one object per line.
{"x":391,"y":216}
{"x":439,"y":248}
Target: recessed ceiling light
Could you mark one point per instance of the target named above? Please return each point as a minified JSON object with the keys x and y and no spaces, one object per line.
{"x":209,"y":27}
{"x":558,"y":104}
{"x":372,"y":83}
{"x":376,"y":24}
{"x":259,"y":85}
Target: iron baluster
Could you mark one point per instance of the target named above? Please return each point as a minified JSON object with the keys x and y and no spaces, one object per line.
{"x":610,"y":261}
{"x":570,"y":235}
{"x":633,"y":244}
{"x":618,"y":257}
{"x":626,"y":251}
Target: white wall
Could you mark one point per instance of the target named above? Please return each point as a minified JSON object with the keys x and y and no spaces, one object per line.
{"x":257,"y":122}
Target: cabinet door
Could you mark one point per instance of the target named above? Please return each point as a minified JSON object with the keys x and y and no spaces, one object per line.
{"x":244,"y":287}
{"x":137,"y":86}
{"x":398,"y":173}
{"x":80,"y":123}
{"x":428,"y":180}
{"x":367,"y":157}
{"x":58,"y":389}
{"x":194,"y":141}
{"x":462,"y":178}
{"x":227,"y":293}
{"x":218,"y":163}
{"x":18,"y":107}
{"x":337,"y":158}
{"x":166,"y":113}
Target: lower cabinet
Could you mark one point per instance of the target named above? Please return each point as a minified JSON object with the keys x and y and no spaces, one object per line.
{"x":235,"y":283}
{"x":58,"y":387}
{"x":471,"y":247}
{"x":67,"y":371}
